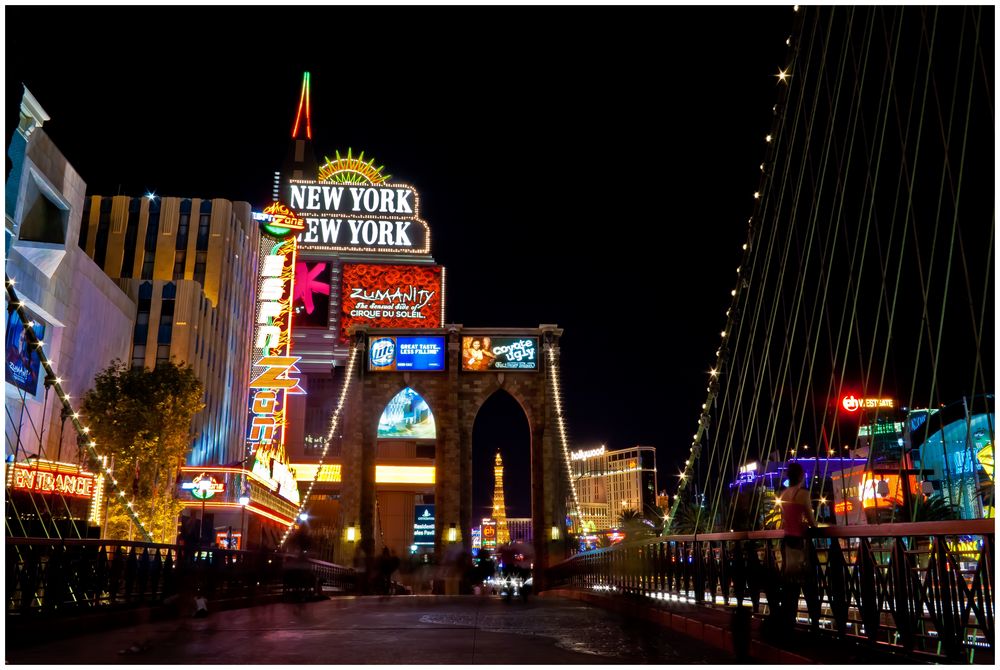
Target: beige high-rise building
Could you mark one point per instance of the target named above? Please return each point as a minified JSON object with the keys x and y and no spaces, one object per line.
{"x":611,"y":482}
{"x":190,"y":266}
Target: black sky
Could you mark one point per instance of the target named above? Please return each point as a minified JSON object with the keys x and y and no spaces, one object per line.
{"x":590,"y":167}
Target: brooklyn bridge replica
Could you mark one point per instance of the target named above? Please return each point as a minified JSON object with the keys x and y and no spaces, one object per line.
{"x":854,"y":347}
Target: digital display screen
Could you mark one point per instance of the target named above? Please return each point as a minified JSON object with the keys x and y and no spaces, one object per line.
{"x":405,"y":352}
{"x":481,"y":354}
{"x":407,"y":416}
{"x":423,"y":525}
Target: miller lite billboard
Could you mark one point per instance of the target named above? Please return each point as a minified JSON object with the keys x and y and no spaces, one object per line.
{"x":403,"y":352}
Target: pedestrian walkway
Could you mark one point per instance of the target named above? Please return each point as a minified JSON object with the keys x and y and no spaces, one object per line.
{"x":714,"y":627}
{"x":387,"y":630}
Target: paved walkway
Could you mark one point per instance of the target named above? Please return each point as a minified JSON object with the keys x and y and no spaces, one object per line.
{"x":381,"y":630}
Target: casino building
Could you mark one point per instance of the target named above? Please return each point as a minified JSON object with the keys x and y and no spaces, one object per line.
{"x":610,"y":482}
{"x":188,"y":266}
{"x":363,"y":260}
{"x":84,"y":320}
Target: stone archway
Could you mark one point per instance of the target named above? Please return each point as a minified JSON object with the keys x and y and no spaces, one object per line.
{"x":455,"y":397}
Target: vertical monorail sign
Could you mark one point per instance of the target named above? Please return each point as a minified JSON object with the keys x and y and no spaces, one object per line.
{"x":273,"y":374}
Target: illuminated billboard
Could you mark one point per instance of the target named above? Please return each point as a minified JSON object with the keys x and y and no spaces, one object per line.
{"x":52,"y":479}
{"x":423,"y":525}
{"x":852,"y":404}
{"x":480,"y":354}
{"x":391,"y":296}
{"x":407,"y":416}
{"x":21,"y":364}
{"x":311,"y":301}
{"x":274,"y":375}
{"x":405,"y":352}
{"x":489,"y":534}
{"x":368,"y":218}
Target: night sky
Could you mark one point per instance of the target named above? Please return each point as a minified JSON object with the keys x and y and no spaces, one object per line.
{"x":590,"y":167}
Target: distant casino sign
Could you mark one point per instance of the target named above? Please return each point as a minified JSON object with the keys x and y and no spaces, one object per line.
{"x":481,"y":354}
{"x":383,"y":218}
{"x":400,"y":352}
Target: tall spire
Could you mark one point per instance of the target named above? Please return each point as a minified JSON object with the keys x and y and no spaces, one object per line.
{"x":303,"y":105}
{"x":300,"y":162}
{"x":499,"y":508}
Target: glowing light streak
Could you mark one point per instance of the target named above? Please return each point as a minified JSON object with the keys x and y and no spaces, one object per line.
{"x":334,"y":422}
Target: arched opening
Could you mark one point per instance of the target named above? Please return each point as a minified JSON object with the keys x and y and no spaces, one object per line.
{"x":407,"y":417}
{"x":500,"y":427}
{"x":405,"y":457}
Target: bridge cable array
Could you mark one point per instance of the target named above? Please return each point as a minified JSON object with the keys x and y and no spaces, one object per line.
{"x":860,"y":230}
{"x":97,"y":460}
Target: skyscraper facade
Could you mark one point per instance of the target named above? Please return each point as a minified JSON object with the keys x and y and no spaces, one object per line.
{"x":611,"y":482}
{"x":189,"y":265}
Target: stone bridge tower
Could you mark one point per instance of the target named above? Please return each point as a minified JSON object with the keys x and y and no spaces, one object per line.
{"x":455,"y":396}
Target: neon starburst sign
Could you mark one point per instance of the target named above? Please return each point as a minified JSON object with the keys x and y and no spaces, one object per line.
{"x":352,"y":170}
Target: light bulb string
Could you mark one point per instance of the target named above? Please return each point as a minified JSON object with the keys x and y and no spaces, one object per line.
{"x":553,"y":377}
{"x":760,"y":201}
{"x":81,"y":430}
{"x":334,"y":423}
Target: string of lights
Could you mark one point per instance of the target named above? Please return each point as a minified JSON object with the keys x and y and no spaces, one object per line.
{"x":686,"y":475}
{"x":97,"y":459}
{"x":334,"y":424}
{"x":553,"y":375}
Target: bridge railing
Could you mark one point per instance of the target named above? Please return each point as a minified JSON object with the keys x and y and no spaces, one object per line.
{"x":72,"y":577}
{"x":925,"y":589}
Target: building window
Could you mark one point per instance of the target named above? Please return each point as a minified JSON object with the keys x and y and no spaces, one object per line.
{"x":204,"y":221}
{"x":152,"y":231}
{"x":84,"y":224}
{"x":103,"y":227}
{"x":131,"y":235}
{"x":138,"y":355}
{"x":165,"y":332}
{"x":162,"y":353}
{"x":200,"y":258}
{"x":180,"y":258}
{"x":141,"y":330}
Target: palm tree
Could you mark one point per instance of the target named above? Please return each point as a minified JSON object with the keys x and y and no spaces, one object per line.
{"x":635,"y":524}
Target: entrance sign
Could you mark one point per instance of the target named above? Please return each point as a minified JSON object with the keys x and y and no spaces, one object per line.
{"x":41,"y":479}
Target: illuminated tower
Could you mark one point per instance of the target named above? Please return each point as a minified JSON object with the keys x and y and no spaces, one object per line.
{"x":499,"y":509}
{"x":300,"y":163}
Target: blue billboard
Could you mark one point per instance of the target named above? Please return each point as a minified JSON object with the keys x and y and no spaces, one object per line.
{"x":405,"y":352}
{"x":22,"y":364}
{"x":423,"y":525}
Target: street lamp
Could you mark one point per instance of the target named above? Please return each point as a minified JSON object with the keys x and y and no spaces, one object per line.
{"x":244,"y":501}
{"x":204,"y":485}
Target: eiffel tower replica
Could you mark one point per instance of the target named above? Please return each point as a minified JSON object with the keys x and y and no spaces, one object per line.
{"x":499,"y":508}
